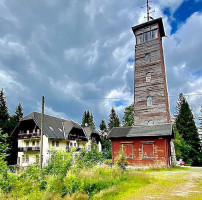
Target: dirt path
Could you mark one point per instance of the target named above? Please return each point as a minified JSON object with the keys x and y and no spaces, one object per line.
{"x":173,"y":185}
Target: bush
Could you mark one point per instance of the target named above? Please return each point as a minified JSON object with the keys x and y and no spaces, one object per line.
{"x":90,"y":158}
{"x":120,"y":160}
{"x":59,"y":163}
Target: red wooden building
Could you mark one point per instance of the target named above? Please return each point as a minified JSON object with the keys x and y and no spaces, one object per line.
{"x":143,"y":145}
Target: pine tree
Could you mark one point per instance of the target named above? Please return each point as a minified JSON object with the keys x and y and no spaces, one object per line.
{"x":13,"y":139}
{"x":186,"y":127}
{"x":114,"y":120}
{"x":4,"y":115}
{"x":179,"y":104}
{"x":88,"y":120}
{"x":200,"y":118}
{"x":103,"y":126}
{"x":128,"y":118}
{"x":92,"y":122}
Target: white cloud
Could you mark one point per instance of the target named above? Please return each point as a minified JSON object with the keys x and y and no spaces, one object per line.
{"x":79,"y":52}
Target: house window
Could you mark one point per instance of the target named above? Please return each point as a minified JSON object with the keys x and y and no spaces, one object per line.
{"x":37,"y":143}
{"x":57,"y":144}
{"x":148,"y":57}
{"x":128,"y":150}
{"x":148,"y":150}
{"x":37,"y":158}
{"x":53,"y":143}
{"x":27,"y":144}
{"x":23,"y":158}
{"x":38,"y":131}
{"x":149,"y":101}
{"x":75,"y":144}
{"x":33,"y":143}
{"x":150,"y":123}
{"x":70,"y":144}
{"x":148,"y":77}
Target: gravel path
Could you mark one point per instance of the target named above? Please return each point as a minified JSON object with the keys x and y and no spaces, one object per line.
{"x":173,"y":185}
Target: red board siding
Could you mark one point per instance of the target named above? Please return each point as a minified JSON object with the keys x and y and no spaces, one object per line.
{"x":128,"y":150}
{"x":148,"y":150}
{"x":157,"y":147}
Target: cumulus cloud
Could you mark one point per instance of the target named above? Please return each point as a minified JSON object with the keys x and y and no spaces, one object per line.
{"x":79,"y":54}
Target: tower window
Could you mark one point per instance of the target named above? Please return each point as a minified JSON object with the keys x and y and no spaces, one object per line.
{"x":148,"y":57}
{"x":150,"y":123}
{"x":154,"y":34}
{"x":146,"y":36}
{"x":149,"y":101}
{"x":139,"y":39}
{"x":148,"y":77}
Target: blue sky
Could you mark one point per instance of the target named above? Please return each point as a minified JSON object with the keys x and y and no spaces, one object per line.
{"x":80,"y":54}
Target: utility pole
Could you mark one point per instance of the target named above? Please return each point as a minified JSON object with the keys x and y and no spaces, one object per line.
{"x":41,"y":144}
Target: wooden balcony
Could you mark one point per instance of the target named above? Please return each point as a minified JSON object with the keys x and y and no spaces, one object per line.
{"x":28,"y":136}
{"x":25,"y":149}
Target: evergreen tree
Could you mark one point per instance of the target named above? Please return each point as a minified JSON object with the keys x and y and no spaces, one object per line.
{"x":88,"y":120}
{"x":13,"y":139}
{"x":200,"y":118}
{"x":114,"y":120}
{"x":179,"y":104}
{"x":103,"y":126}
{"x":4,"y":115}
{"x":128,"y":118}
{"x":186,"y":127}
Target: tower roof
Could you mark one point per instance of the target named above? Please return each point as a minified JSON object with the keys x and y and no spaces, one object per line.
{"x":159,"y":21}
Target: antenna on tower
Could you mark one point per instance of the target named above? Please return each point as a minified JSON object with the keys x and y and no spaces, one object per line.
{"x":148,"y":11}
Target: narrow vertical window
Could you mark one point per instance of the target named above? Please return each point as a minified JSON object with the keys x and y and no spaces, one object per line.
{"x":33,"y":143}
{"x":23,"y":158}
{"x":140,"y":39}
{"x":27,"y":158}
{"x":148,"y":77}
{"x":146,"y":36}
{"x":149,"y":101}
{"x":27,"y":144}
{"x":147,"y":58}
{"x":154,"y":34}
{"x":53,"y":143}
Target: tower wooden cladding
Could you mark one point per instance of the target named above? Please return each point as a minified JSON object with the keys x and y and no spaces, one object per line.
{"x":151,"y":97}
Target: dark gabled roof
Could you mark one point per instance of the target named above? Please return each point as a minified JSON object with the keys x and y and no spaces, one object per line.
{"x":159,"y":130}
{"x":54,"y":127}
{"x":159,"y":21}
{"x":89,"y":131}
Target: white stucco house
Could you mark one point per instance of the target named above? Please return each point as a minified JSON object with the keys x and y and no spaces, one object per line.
{"x":58,"y":134}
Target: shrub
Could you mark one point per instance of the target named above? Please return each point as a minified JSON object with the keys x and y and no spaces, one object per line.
{"x":90,"y":158}
{"x":59,"y":163}
{"x":120,"y":160}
